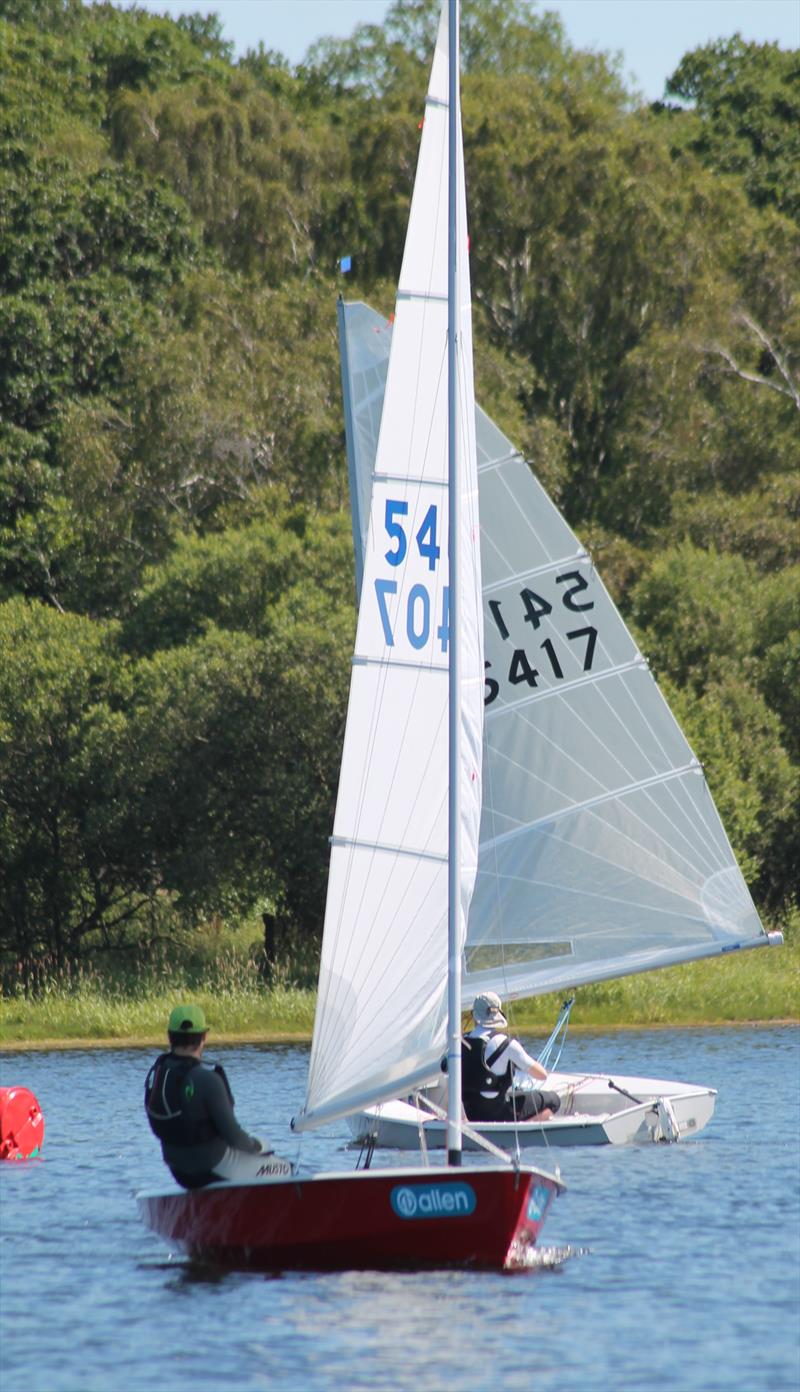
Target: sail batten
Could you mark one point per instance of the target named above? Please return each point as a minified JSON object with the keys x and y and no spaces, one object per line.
{"x":421,"y":295}
{"x":389,"y":848}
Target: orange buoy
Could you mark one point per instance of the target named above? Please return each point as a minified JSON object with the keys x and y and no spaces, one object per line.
{"x":21,"y":1124}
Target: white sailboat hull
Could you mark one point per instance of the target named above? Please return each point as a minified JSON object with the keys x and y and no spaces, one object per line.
{"x":594,"y":1111}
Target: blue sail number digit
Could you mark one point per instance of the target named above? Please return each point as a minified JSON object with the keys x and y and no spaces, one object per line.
{"x":382,"y":589}
{"x":428,"y":548}
{"x":396,"y":508}
{"x":419,"y":606}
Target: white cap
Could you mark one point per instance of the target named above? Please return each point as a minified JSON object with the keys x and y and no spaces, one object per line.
{"x":488,"y":1010}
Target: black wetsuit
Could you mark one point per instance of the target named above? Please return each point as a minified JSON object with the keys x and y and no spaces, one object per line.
{"x":189,"y":1105}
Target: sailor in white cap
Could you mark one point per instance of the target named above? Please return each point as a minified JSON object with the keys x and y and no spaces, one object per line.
{"x":491,"y":1067}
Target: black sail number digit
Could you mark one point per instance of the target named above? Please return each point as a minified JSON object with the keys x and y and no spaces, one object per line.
{"x":579,"y":584}
{"x":492,"y":687}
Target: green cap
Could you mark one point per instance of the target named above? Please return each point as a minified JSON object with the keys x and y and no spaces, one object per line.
{"x":187,"y":1019}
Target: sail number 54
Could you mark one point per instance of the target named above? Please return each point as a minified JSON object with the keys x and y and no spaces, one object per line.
{"x":425,"y":537}
{"x":418,"y":604}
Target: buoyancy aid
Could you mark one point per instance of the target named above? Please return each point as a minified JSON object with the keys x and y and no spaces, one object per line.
{"x":477,"y":1078}
{"x":175,"y":1115}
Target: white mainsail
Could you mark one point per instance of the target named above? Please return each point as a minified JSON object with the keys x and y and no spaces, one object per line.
{"x":601,"y":850}
{"x":380,"y":1025}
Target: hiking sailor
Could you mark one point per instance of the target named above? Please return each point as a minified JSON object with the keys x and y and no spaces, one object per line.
{"x":492,"y":1067}
{"x":189,"y":1105}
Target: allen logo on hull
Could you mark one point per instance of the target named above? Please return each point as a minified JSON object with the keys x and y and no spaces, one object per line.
{"x":433,"y":1200}
{"x":537,"y":1203}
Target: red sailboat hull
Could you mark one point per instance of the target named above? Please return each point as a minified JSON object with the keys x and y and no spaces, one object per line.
{"x":487,"y":1218}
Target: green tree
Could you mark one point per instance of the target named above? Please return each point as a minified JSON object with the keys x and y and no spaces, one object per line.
{"x":746,"y":97}
{"x":754,"y":784}
{"x":68,"y":871}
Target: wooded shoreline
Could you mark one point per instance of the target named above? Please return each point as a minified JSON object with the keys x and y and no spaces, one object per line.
{"x":176,"y":568}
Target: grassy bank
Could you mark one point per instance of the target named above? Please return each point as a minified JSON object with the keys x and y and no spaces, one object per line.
{"x":87,"y":1008}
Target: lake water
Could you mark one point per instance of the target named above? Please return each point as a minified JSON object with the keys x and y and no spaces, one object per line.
{"x":685,"y":1273}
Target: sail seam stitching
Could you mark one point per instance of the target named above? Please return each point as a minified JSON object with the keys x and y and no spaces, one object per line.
{"x":597,"y":801}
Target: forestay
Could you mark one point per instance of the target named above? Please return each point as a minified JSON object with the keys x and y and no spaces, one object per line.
{"x":601,"y":851}
{"x":380,"y":1024}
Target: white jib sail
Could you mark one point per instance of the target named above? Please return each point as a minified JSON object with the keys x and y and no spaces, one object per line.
{"x":601,"y":850}
{"x":380,"y":1024}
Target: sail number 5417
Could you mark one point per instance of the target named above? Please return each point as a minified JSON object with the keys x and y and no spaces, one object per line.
{"x":536,"y":607}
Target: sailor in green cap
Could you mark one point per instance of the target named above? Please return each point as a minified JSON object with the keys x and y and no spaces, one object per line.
{"x":189,"y":1105}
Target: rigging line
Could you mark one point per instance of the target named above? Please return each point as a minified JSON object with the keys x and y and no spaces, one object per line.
{"x":472,"y":501}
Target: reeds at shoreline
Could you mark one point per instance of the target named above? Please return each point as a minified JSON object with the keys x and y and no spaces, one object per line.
{"x":87,"y":1006}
